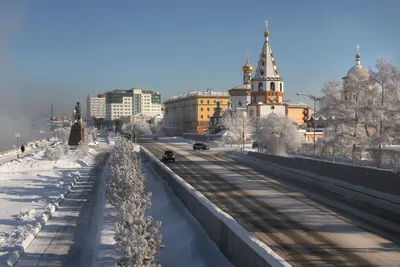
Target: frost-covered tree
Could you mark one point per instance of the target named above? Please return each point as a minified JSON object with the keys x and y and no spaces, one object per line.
{"x":279,"y":135}
{"x":339,"y":131}
{"x":140,"y":127}
{"x":387,"y":79}
{"x":137,"y":237}
{"x":238,"y":124}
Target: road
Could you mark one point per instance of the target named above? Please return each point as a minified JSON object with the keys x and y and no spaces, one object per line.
{"x":70,"y":237}
{"x":306,"y":225}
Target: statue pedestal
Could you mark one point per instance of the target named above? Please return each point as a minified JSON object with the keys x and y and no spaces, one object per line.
{"x":77,"y":134}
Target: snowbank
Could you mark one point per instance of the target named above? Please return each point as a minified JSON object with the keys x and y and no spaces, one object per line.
{"x":31,"y":190}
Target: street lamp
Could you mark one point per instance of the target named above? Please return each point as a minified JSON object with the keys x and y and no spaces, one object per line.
{"x":17,"y":135}
{"x":314,"y":98}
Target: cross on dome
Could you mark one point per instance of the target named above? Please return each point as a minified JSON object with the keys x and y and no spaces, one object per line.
{"x":247,"y":56}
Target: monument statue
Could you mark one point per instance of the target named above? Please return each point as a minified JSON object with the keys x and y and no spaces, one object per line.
{"x":77,"y":134}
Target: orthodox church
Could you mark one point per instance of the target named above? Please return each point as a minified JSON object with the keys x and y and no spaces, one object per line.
{"x":263,"y":94}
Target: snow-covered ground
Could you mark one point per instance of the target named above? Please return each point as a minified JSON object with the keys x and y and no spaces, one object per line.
{"x":186,"y":242}
{"x":31,"y":188}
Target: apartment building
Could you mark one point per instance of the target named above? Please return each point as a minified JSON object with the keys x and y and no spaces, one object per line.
{"x":96,"y":107}
{"x":191,"y":112}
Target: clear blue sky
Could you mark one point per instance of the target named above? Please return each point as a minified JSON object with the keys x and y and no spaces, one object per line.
{"x":64,"y":50}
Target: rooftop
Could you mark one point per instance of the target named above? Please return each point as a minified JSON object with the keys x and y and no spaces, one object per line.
{"x":208,"y":92}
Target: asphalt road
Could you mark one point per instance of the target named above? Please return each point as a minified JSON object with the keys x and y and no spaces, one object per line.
{"x":304,"y":224}
{"x":70,"y":236}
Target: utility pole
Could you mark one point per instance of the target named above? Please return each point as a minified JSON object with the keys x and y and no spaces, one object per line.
{"x":314,"y":98}
{"x":17,"y":135}
{"x":381,"y":131}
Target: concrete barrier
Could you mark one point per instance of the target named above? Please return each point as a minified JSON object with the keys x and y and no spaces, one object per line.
{"x":239,"y":246}
{"x":384,"y":181}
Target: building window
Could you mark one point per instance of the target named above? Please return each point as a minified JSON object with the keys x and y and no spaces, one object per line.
{"x":201,"y":109}
{"x":272,"y":86}
{"x":215,"y":101}
{"x":260,"y":86}
{"x":220,"y":102}
{"x":263,"y":62}
{"x":201,"y":116}
{"x":201,"y":101}
{"x":208,"y":101}
{"x":280,"y":85}
{"x":208,"y":109}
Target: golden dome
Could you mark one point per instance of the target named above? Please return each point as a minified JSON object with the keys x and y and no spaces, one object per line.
{"x":266,"y":34}
{"x":247,"y":67}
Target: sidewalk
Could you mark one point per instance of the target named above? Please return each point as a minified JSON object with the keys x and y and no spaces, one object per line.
{"x":31,"y":189}
{"x":27,"y":152}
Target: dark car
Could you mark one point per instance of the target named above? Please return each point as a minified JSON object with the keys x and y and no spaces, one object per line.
{"x":203,"y":146}
{"x":168,"y":155}
{"x":155,"y":138}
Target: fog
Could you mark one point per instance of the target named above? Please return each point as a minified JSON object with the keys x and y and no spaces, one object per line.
{"x":25,"y":105}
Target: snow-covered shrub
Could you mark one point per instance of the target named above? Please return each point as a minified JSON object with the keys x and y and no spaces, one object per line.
{"x":62,"y":135}
{"x":53,"y":153}
{"x":82,"y":149}
{"x":137,"y":237}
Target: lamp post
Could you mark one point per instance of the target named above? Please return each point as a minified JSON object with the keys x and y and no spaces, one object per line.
{"x":17,"y":135}
{"x":314,"y":99}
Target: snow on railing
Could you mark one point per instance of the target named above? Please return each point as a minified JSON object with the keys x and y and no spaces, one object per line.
{"x":13,"y":151}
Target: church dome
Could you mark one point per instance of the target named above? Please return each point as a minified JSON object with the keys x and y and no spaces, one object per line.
{"x":357,"y":69}
{"x":247,"y":67}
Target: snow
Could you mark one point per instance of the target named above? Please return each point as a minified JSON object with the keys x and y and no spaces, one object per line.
{"x":263,"y":250}
{"x":31,"y":189}
{"x":186,"y":242}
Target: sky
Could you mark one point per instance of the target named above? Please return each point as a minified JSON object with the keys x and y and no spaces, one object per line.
{"x":61,"y":51}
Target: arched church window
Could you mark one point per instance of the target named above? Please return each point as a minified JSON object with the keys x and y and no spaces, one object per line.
{"x":262,"y":72}
{"x":280,"y":85}
{"x":272,"y":86}
{"x":263,"y":62}
{"x":260,"y":86}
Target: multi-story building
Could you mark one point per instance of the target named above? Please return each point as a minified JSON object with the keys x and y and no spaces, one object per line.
{"x":119,"y":104}
{"x":128,"y":103}
{"x":96,"y":107}
{"x":150,"y":103}
{"x":191,"y":112}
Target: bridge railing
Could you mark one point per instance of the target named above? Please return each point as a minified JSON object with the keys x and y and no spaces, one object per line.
{"x":28,"y":145}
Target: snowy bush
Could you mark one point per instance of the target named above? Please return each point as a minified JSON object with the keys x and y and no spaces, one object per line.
{"x":138,"y":239}
{"x":62,"y":135}
{"x":82,"y":149}
{"x":53,"y":153}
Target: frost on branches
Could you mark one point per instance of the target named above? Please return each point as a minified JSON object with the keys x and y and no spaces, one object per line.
{"x":278,"y":135}
{"x":364,"y":114}
{"x":140,"y":127}
{"x":138,"y":238}
{"x":238,"y":124}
